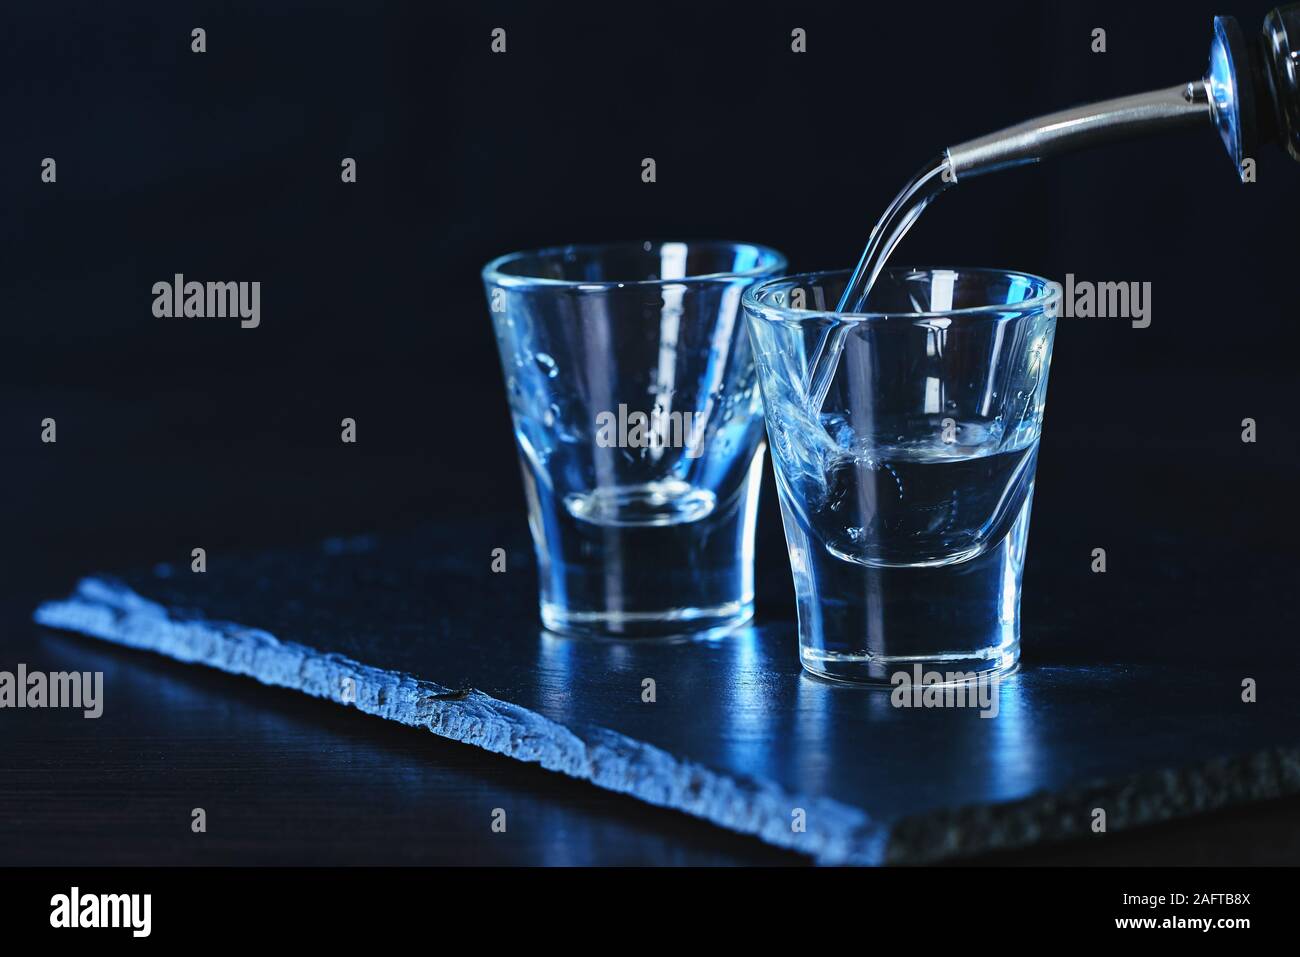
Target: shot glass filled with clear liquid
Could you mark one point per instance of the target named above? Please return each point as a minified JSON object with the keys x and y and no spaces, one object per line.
{"x":904,"y":441}
{"x":639,"y":425}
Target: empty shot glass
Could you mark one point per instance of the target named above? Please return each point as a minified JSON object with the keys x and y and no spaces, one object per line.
{"x":639,"y":425}
{"x":904,"y":442}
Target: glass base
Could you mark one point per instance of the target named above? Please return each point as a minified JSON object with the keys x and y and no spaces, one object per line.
{"x":666,"y":560}
{"x":880,"y":670}
{"x":667,"y":625}
{"x":936,"y":624}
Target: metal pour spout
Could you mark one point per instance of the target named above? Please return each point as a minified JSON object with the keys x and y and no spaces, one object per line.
{"x":1250,"y":94}
{"x":1175,"y":107}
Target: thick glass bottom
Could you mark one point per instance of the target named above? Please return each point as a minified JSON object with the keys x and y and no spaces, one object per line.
{"x":668,"y":624}
{"x":660,"y":560}
{"x":994,"y":662}
{"x":936,"y":624}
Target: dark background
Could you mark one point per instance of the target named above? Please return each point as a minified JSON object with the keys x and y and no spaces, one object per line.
{"x":225,"y":166}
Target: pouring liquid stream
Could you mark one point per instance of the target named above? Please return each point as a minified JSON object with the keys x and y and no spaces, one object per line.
{"x":1250,"y":95}
{"x":887,"y":234}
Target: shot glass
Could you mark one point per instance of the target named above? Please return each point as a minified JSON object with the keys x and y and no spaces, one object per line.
{"x":904,"y":442}
{"x":639,"y":424}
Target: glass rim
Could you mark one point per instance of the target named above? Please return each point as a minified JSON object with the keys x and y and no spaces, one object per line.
{"x":771,"y":259}
{"x":772,"y":311}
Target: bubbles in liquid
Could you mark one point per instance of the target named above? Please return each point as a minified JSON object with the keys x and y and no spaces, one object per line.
{"x":546,"y":364}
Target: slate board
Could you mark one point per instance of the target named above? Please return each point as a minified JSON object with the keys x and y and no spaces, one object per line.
{"x":1137,"y":719}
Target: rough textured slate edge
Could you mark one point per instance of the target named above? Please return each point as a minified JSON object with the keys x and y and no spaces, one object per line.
{"x":1142,"y":799}
{"x":836,"y":834}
